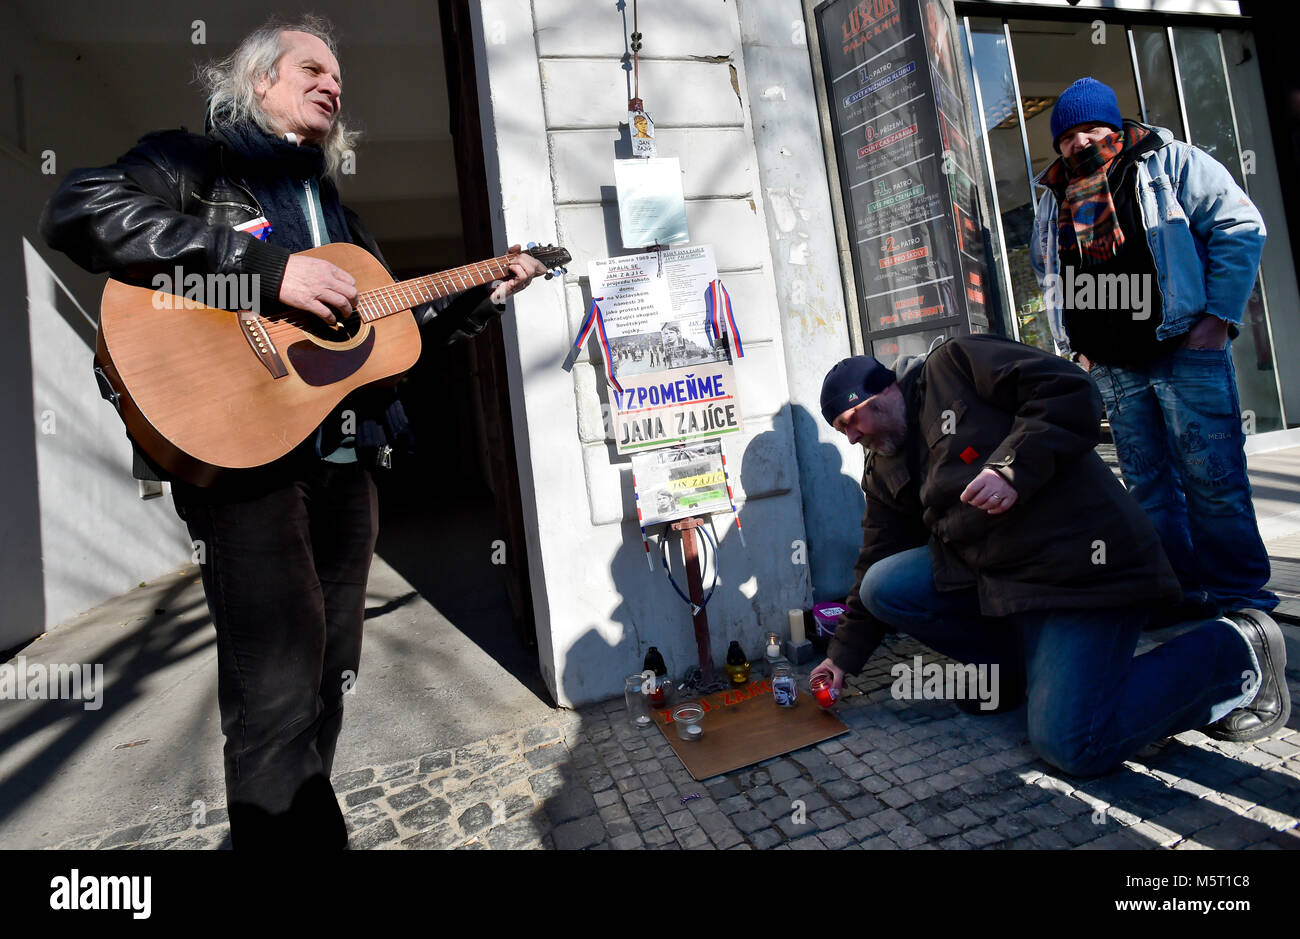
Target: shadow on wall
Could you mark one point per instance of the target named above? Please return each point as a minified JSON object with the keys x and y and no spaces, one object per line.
{"x":832,"y":509}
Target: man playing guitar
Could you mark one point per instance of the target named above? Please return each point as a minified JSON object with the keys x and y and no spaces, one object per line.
{"x":286,"y":547}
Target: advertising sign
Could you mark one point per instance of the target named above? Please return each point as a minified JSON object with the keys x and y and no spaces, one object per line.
{"x":904,"y":148}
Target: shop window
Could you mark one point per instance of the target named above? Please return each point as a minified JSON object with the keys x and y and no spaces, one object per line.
{"x":1156,"y":68}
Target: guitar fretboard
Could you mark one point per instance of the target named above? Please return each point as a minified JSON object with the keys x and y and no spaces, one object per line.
{"x":403,"y":295}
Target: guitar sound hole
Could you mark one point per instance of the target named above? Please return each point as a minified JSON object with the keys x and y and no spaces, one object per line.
{"x":318,"y":328}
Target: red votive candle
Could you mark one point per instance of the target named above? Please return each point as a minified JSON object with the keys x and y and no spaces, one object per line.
{"x":658,"y":697}
{"x":822,"y":692}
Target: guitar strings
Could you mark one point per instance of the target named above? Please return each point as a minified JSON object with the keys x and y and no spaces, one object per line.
{"x":395,"y":297}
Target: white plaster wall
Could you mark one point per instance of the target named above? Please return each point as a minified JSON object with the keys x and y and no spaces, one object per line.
{"x":98,"y":538}
{"x":73,"y":531}
{"x":810,"y":289}
{"x":553,"y":93}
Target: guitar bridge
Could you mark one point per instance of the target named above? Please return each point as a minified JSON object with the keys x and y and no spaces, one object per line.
{"x":250,"y":324}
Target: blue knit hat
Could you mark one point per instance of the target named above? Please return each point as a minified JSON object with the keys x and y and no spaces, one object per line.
{"x":851,"y":382}
{"x":1085,"y":101}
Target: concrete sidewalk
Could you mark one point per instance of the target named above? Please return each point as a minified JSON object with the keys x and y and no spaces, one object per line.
{"x":481,"y":762}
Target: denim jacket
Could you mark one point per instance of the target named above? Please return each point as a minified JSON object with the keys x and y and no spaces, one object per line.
{"x":1206,"y":238}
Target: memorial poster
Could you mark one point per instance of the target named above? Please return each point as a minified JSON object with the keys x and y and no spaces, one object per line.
{"x":680,"y":482}
{"x":652,"y":305}
{"x":651,"y":207}
{"x":680,"y":405}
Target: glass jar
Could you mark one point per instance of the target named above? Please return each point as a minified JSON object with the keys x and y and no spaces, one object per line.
{"x":772,"y":651}
{"x":784,"y":691}
{"x":660,"y":693}
{"x":822,"y":690}
{"x":686,"y":718}
{"x":638,"y":712}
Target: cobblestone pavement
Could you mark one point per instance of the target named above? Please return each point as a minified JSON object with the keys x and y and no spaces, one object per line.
{"x":910,"y":774}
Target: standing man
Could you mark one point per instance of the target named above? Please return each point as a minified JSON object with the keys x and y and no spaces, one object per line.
{"x":994,"y":534}
{"x":1147,"y":251}
{"x":287,"y":546}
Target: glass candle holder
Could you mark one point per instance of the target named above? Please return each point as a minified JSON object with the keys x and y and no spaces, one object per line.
{"x":638,"y":710}
{"x":784,"y":691}
{"x":737,"y":664}
{"x":822,"y":692}
{"x":686,"y":718}
{"x":661,"y":694}
{"x":772,"y":648}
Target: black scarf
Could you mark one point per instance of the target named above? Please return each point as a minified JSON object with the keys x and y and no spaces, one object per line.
{"x":275,"y":170}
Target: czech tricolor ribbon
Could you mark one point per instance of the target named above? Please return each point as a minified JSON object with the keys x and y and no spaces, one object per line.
{"x":720,"y":317}
{"x":640,"y":520}
{"x":259,"y":228}
{"x":726,"y":475}
{"x":596,"y":320}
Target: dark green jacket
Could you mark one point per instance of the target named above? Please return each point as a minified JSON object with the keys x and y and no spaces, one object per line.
{"x":1074,"y":539}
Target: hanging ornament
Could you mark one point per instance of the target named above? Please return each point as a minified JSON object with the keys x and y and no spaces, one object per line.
{"x":641,"y":129}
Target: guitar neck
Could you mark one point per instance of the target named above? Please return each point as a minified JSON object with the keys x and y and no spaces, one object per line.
{"x":404,"y":295}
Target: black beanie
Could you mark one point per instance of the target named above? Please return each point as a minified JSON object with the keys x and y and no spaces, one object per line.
{"x":851,"y":382}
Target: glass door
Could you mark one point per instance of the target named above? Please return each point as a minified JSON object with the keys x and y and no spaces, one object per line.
{"x":1200,"y":83}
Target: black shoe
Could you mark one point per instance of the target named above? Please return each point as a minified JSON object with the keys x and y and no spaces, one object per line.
{"x":1271,"y":705}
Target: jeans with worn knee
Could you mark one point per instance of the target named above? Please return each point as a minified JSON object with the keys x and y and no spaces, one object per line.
{"x":1091,"y":703}
{"x":1178,"y":434}
{"x":284,"y":570}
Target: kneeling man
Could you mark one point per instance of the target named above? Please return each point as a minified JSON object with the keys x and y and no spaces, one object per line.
{"x":994,"y":534}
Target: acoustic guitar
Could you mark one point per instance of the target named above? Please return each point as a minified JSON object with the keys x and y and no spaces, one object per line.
{"x":204,"y":390}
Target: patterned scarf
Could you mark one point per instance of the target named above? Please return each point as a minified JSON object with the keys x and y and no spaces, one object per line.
{"x":1086,"y":216}
{"x":275,"y":171}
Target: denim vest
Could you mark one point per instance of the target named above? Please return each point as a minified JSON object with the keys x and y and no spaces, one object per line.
{"x":1205,"y":234}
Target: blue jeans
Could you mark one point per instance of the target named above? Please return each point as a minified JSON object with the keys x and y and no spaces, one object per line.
{"x":1092,"y":704}
{"x":1177,"y":427}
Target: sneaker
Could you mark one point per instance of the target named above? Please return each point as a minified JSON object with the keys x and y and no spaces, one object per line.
{"x":1271,"y":706}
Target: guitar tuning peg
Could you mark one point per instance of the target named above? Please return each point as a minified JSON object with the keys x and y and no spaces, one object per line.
{"x":532,"y":245}
{"x":548,"y":276}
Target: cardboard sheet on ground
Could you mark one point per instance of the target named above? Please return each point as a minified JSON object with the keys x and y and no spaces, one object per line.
{"x":744,"y":726}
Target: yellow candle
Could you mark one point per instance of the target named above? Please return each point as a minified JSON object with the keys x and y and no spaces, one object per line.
{"x":796,"y":627}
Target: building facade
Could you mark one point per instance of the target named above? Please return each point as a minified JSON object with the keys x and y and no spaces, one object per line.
{"x":537,"y":96}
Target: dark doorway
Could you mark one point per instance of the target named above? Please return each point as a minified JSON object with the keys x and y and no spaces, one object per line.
{"x":452,"y":522}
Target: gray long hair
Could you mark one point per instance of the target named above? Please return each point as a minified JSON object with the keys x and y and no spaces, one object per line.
{"x":230,"y":83}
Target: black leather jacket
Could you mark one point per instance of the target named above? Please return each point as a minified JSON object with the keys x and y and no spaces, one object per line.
{"x":174,"y":199}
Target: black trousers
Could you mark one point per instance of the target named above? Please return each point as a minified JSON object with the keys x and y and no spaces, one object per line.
{"x":284,"y":567}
